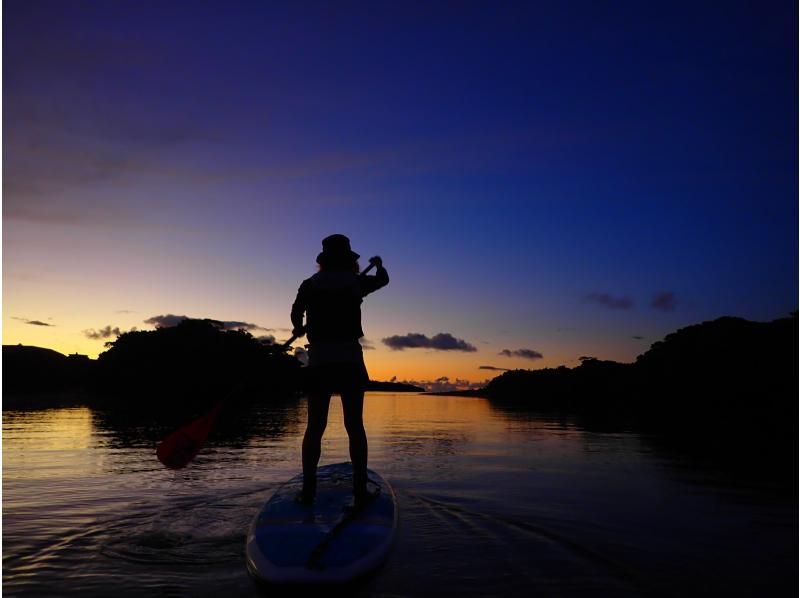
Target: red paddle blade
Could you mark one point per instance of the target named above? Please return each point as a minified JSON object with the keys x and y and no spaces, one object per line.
{"x":179,"y":448}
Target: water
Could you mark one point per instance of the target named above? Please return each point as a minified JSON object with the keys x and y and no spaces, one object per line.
{"x":491,"y":503}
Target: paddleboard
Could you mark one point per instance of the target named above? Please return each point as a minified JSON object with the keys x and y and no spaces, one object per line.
{"x":328,"y":542}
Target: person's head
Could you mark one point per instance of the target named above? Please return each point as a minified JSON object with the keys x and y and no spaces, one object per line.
{"x":337,"y":255}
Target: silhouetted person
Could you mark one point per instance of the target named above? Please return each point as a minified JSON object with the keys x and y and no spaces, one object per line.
{"x":331,"y":301}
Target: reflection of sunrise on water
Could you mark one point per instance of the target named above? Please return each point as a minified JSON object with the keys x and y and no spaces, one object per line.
{"x":607,"y":508}
{"x":51,"y":430}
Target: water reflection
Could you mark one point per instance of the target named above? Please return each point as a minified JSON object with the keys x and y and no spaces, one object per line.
{"x":712,"y":457}
{"x":493,"y":501}
{"x":47,"y":429}
{"x":240,"y":422}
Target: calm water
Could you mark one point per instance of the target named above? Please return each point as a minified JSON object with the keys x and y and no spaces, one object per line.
{"x":492,"y":503}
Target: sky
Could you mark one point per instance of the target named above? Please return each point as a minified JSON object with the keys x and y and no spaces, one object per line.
{"x":544,"y":181}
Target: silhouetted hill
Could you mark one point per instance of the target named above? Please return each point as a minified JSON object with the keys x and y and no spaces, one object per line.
{"x":197,"y":361}
{"x":28,"y":370}
{"x":193,"y":361}
{"x":727,"y":388}
{"x":564,"y":388}
{"x":728,"y":356}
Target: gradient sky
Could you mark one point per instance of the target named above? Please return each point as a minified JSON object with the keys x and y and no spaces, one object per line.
{"x":567,"y":178}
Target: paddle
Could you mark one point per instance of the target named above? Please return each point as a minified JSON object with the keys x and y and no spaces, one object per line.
{"x":178,"y":449}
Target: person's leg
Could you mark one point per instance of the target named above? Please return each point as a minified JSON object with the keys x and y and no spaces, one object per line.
{"x":318,"y":404}
{"x":353,"y":408}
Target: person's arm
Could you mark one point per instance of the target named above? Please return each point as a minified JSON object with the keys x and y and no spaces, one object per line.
{"x":370,"y":284}
{"x":299,"y":309}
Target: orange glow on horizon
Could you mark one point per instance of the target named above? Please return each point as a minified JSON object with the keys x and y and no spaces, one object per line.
{"x":382,"y":364}
{"x":66,"y":333}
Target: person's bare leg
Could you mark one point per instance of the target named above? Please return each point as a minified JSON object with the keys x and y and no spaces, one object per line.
{"x":353,"y":407}
{"x":318,"y":405}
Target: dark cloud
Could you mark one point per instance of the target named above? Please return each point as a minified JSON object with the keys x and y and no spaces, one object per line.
{"x":637,"y":337}
{"x":244,"y":326}
{"x":167,"y":321}
{"x":267,"y":339}
{"x":104,"y":333}
{"x":492,"y":368}
{"x":524,"y":353}
{"x":170,"y":320}
{"x":609,"y":301}
{"x":366,"y":344}
{"x":444,"y":341}
{"x":664,"y":301}
{"x":33,"y":322}
{"x":583,"y":358}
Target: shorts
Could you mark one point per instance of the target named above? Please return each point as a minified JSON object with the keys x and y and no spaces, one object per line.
{"x":336,"y":378}
{"x":335,"y":367}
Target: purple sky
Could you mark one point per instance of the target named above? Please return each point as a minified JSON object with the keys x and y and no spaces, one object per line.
{"x":539,"y":180}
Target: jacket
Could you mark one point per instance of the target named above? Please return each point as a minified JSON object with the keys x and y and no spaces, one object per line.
{"x":331,"y":302}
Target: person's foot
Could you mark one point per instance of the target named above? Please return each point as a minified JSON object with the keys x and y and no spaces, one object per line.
{"x":363,"y":497}
{"x":304,"y":498}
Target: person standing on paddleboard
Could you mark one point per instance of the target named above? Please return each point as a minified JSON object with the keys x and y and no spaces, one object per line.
{"x":331,"y":303}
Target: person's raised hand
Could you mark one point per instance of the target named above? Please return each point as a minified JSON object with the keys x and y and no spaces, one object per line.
{"x":376,"y":261}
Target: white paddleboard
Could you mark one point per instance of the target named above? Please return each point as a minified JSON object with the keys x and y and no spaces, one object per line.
{"x":327,"y":542}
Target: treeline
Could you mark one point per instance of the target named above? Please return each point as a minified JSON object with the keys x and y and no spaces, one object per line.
{"x":196,"y":358}
{"x":196,"y":361}
{"x":703,"y":366}
{"x":729,"y":384}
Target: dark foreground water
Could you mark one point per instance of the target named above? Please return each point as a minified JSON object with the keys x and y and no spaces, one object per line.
{"x":492,"y":503}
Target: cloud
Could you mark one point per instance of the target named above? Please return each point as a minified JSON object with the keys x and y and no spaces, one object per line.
{"x":444,"y":341}
{"x":524,"y":353}
{"x":492,"y":368}
{"x":167,"y":321}
{"x":609,"y":301}
{"x":366,"y":345}
{"x":234,"y":325}
{"x":170,"y":320}
{"x":267,"y":339}
{"x":637,"y":337}
{"x":104,"y":333}
{"x":33,"y":322}
{"x":664,"y":301}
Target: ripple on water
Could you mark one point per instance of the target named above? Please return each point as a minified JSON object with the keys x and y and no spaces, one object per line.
{"x":491,"y":503}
